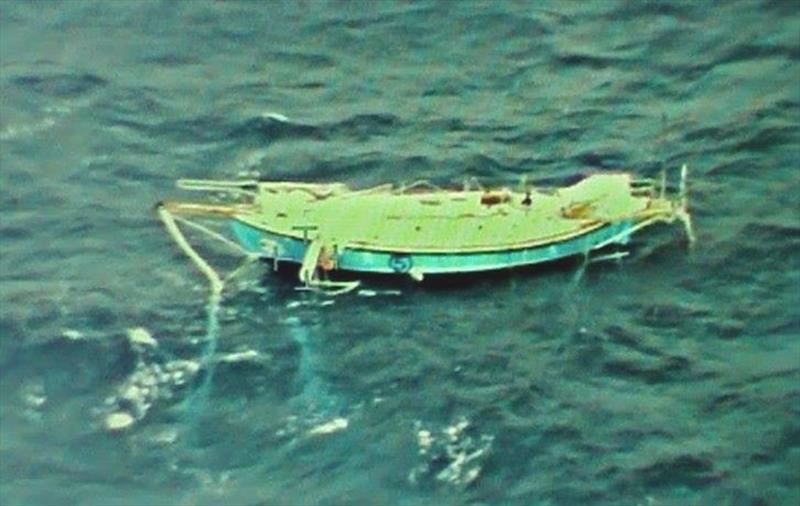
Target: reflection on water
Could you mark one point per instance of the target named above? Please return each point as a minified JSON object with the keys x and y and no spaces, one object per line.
{"x":313,"y":393}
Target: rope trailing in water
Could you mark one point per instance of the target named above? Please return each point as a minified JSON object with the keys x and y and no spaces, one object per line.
{"x":211,"y":233}
{"x":214,"y":281}
{"x":196,"y":401}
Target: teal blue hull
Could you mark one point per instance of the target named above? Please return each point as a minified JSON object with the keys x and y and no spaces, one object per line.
{"x":289,"y":249}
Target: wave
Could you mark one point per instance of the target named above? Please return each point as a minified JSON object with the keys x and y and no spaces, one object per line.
{"x":61,"y":85}
{"x":359,"y":127}
{"x":267,"y":129}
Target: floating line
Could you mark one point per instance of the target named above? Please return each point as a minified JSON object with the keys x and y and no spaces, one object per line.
{"x":215,"y":283}
{"x":211,"y":233}
{"x":314,"y":394}
{"x":197,"y":400}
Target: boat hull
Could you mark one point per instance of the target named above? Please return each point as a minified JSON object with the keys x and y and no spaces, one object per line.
{"x":289,"y":249}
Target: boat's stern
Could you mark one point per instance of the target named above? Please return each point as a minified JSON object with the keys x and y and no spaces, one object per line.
{"x":665,"y":205}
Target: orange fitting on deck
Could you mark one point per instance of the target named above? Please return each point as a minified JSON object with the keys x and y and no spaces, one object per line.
{"x":493,"y":198}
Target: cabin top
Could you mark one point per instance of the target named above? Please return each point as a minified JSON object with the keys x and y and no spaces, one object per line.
{"x":420,"y":218}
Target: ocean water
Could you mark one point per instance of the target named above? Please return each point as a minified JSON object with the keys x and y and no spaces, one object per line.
{"x":670,"y":378}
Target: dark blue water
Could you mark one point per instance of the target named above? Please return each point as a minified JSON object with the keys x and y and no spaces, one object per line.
{"x":672,"y":378}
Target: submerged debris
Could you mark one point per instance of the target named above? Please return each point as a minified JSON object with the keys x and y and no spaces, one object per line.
{"x":451,"y":457}
{"x":149,"y":382}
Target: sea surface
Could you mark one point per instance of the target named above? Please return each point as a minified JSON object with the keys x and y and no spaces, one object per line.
{"x":669,"y":378}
